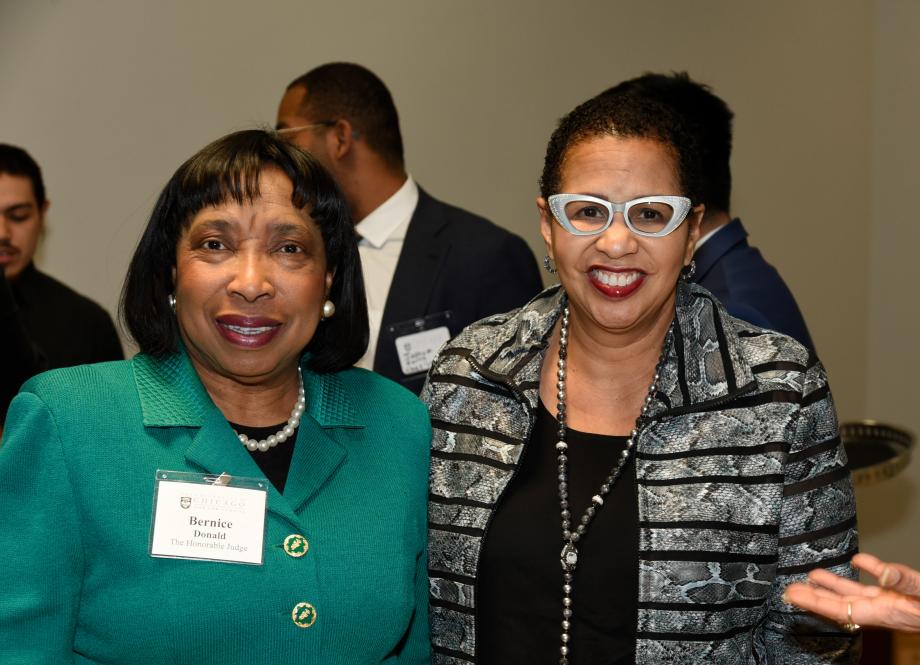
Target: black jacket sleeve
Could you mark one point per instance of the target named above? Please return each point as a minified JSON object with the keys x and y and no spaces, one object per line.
{"x":19,"y":358}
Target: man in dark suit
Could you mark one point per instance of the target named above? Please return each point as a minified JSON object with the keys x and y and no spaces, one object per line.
{"x":430,"y":268}
{"x":748,"y":286}
{"x":44,"y":324}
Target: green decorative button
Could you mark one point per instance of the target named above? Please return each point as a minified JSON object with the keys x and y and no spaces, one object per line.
{"x":296,"y":545}
{"x":303,"y":615}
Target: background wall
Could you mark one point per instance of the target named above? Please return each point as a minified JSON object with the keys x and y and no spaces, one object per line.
{"x":110,"y":96}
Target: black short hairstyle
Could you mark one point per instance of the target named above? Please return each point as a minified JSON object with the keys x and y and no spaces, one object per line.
{"x":709,"y":118}
{"x":345,"y":90}
{"x":625,"y":114}
{"x":16,"y":161}
{"x":229,"y":169}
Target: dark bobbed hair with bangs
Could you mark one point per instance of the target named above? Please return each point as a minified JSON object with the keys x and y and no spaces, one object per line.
{"x":625,"y":113}
{"x":229,"y":169}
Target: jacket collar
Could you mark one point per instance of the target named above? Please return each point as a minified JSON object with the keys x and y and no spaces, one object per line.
{"x":425,"y":248}
{"x":172,"y":395}
{"x":718,"y":246}
{"x":705,"y":363}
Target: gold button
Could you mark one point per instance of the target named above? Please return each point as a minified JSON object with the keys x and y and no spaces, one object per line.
{"x":296,"y":545}
{"x":303,"y":615}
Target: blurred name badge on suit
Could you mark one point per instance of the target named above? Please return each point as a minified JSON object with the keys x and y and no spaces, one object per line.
{"x":419,"y":340}
{"x":208,"y":517}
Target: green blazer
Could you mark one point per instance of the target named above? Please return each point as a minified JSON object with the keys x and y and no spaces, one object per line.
{"x":77,"y":583}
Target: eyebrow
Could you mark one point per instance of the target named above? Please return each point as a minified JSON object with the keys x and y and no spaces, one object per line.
{"x":214,"y":225}
{"x":28,"y":205}
{"x":275,"y":228}
{"x":281,"y":228}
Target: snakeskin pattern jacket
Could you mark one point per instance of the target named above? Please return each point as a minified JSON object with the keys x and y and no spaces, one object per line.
{"x":742,"y":484}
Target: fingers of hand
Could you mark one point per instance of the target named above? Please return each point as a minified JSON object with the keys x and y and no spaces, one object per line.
{"x":890,"y":575}
{"x":869,"y":563}
{"x":800,"y":594}
{"x":841,"y":585}
{"x":820,"y":601}
{"x":907,"y":582}
{"x":888,"y":609}
{"x":899,"y":612}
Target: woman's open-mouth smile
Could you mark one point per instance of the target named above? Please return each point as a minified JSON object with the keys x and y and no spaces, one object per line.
{"x":248,"y":331}
{"x":616,"y":283}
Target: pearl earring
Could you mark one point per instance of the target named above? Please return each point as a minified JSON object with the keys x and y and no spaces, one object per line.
{"x":328,"y":309}
{"x":171,"y":299}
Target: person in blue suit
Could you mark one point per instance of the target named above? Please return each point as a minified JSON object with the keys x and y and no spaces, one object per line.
{"x":725,"y":263}
{"x":237,"y":492}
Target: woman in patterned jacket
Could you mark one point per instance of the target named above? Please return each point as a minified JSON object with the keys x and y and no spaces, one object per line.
{"x":621,"y":472}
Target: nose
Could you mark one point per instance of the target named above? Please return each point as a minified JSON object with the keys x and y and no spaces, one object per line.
{"x":252,"y":277}
{"x":5,"y":234}
{"x":617,"y":240}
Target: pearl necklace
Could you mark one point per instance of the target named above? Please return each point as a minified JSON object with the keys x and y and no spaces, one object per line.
{"x":285,"y":432}
{"x":569,"y":555}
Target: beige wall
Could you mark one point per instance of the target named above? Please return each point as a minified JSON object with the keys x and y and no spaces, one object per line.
{"x":111,"y":95}
{"x":890,"y":512}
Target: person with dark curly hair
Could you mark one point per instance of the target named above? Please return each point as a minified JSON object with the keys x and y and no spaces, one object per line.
{"x":621,"y":471}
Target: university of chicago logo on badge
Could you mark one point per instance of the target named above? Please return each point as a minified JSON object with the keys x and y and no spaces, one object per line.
{"x":185,"y":501}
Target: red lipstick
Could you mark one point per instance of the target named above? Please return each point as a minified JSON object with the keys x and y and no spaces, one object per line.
{"x":597,"y":275}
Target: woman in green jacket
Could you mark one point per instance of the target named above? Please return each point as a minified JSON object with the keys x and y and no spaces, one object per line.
{"x":236,"y":493}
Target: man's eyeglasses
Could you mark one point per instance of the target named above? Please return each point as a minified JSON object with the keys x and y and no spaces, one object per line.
{"x":282,"y":131}
{"x":649,"y":216}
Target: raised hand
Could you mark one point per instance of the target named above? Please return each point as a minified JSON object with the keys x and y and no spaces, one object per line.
{"x":894,"y":604}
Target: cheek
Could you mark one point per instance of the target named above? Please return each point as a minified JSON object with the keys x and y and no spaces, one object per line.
{"x":307,"y":297}
{"x":194,"y":283}
{"x":26,"y":234}
{"x":573,"y":253}
{"x":671,"y":252}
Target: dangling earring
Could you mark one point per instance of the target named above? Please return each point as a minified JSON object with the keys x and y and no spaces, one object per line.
{"x":688,"y":271}
{"x":171,"y":299}
{"x":548,"y":265}
{"x":328,"y":309}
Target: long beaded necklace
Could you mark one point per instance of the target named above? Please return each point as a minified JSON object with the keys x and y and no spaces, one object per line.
{"x":569,"y":555}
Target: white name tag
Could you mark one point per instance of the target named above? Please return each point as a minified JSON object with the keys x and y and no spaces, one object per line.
{"x":214,"y":518}
{"x":417,"y":350}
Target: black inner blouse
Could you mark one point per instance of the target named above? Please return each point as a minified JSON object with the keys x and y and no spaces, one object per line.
{"x":519,"y":587}
{"x":274,"y":462}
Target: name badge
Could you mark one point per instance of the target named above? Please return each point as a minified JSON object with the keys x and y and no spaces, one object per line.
{"x":417,"y":351}
{"x":208,"y":517}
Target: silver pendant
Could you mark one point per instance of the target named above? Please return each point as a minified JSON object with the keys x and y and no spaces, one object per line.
{"x":568,"y":558}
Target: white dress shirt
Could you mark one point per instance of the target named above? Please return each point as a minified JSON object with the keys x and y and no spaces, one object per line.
{"x":382,"y":234}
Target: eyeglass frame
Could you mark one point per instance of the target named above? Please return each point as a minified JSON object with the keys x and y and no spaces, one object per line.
{"x":355,"y":134}
{"x":681,"y":205}
{"x":299,"y":128}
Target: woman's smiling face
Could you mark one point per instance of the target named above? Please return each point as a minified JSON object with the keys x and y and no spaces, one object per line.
{"x":250,"y":284}
{"x":618,"y":281}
